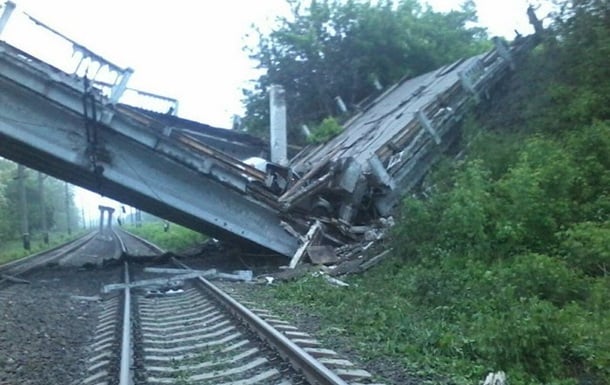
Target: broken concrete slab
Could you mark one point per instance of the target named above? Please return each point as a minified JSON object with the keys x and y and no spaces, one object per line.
{"x":173,"y":281}
{"x":237,"y":275}
{"x":322,"y":255}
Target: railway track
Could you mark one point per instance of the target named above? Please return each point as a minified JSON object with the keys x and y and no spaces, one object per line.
{"x":191,"y":332}
{"x":188,"y":331}
{"x":63,"y":254}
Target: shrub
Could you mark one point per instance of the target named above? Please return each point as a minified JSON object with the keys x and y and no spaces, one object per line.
{"x":534,"y":197}
{"x":547,"y":278}
{"x":325,"y":131}
{"x":586,"y":246}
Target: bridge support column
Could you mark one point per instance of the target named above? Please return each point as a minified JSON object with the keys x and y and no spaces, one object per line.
{"x":101,"y":230}
{"x":110,"y":212}
{"x":106,"y":229}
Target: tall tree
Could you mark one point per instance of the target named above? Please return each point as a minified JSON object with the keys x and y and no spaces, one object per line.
{"x":53,"y":203}
{"x":583,"y":52}
{"x":332,"y":48}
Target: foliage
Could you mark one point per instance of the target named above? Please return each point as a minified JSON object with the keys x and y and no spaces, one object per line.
{"x":13,"y":249}
{"x":325,"y":131}
{"x":581,"y":69}
{"x":54,"y":203}
{"x":331,"y":48}
{"x":586,"y":246}
{"x":176,"y":238}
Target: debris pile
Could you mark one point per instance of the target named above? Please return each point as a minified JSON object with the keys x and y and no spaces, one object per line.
{"x":347,"y":189}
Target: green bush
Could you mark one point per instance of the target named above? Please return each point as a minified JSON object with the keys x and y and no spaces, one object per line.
{"x":534,"y":197}
{"x":586,"y":246}
{"x":590,"y":147}
{"x":177,"y":237}
{"x":325,"y":131}
{"x":489,"y":263}
{"x":525,"y":339}
{"x":543,"y":277}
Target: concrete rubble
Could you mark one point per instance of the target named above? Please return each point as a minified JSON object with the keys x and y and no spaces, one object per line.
{"x":345,"y":191}
{"x":174,"y":279}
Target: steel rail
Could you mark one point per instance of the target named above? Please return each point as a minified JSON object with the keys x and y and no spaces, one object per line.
{"x":144,"y":241}
{"x":70,"y":246}
{"x":314,"y":371}
{"x":125,"y":372}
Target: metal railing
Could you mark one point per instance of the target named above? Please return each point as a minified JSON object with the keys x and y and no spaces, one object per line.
{"x":45,"y":43}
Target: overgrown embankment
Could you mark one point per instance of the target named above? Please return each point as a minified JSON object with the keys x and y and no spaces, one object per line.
{"x":504,"y":265}
{"x":13,"y":249}
{"x":171,"y":237}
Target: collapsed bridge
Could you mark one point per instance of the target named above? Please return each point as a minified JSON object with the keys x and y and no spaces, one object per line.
{"x":79,"y":129}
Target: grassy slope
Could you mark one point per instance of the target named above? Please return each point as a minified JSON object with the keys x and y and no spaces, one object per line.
{"x":177,"y":238}
{"x":505,"y":265}
{"x":13,"y":250}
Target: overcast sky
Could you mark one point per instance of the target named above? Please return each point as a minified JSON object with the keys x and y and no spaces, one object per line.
{"x":193,"y":50}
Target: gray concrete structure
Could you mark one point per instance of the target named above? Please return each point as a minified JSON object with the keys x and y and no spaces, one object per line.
{"x":68,"y":127}
{"x":277,"y":117}
{"x":105,"y":226}
{"x":77,"y":130}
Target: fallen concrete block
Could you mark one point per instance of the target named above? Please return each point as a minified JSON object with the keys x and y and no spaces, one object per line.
{"x":322,"y":255}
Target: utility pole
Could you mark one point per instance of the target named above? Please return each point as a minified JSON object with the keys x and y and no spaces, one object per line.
{"x":23,"y":207}
{"x":43,"y":208}
{"x":67,"y":208}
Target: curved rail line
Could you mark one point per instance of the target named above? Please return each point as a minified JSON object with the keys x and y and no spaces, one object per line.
{"x":54,"y":254}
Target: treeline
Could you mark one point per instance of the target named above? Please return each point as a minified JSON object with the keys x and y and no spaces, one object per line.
{"x":328,"y":50}
{"x":57,"y":202}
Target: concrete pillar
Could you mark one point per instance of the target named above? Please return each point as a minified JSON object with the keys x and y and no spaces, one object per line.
{"x":277,"y":114}
{"x":9,"y":7}
{"x":110,"y":212}
{"x":101,"y":219}
{"x":106,"y":228}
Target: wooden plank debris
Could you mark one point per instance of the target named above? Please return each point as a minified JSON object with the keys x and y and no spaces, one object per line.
{"x":313,"y":230}
{"x":335,"y":282}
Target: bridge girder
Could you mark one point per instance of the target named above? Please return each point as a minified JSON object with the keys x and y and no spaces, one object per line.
{"x":42,"y":126}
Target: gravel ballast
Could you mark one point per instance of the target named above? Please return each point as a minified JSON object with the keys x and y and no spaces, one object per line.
{"x":46,"y":326}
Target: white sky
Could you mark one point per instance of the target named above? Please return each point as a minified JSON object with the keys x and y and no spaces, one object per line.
{"x":192,"y":50}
